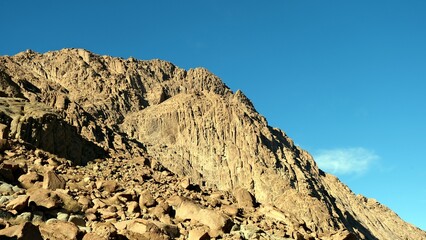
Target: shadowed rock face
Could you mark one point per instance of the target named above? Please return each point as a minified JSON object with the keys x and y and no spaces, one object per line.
{"x":39,"y":126}
{"x":81,"y":106}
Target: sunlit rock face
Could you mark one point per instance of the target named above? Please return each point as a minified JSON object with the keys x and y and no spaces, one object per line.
{"x":83,"y":107}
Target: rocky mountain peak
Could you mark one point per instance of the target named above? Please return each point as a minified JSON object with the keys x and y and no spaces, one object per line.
{"x":182,"y":128}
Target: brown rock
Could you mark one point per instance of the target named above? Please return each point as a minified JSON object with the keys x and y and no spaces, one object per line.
{"x":4,"y":132}
{"x":107,"y":214}
{"x":18,"y":204}
{"x":186,"y":209}
{"x":230,"y":210}
{"x":160,"y":210}
{"x":146,"y":199}
{"x":132,"y":207}
{"x":67,"y":202}
{"x":52,"y":181}
{"x":91,"y":216}
{"x":44,"y":198}
{"x":244,"y":198}
{"x":105,"y":230}
{"x":109,"y":185}
{"x":55,"y":229}
{"x":24,"y":231}
{"x":98,"y":203}
{"x":93,"y":236}
{"x":198,"y":234}
{"x":139,"y":226}
{"x":29,"y":179}
{"x":185,"y":183}
{"x":170,"y":229}
{"x":84,"y":202}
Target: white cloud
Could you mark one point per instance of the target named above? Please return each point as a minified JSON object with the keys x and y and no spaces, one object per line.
{"x":345,"y":160}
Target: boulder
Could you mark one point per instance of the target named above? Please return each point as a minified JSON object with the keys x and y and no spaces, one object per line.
{"x":198,"y":234}
{"x":67,"y":202}
{"x":4,"y":132}
{"x":244,"y":198}
{"x":43,"y":198}
{"x":24,"y":231}
{"x":56,"y":229}
{"x":109,"y":185}
{"x":132,"y":207}
{"x":53,"y":181}
{"x":104,"y":230}
{"x":186,"y":209}
{"x":146,"y":199}
{"x":18,"y":204}
{"x":29,"y":179}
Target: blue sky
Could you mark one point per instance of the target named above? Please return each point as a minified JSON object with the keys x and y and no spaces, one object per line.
{"x":344,"y":79}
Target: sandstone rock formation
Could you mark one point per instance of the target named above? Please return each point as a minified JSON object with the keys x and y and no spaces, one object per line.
{"x":158,"y":151}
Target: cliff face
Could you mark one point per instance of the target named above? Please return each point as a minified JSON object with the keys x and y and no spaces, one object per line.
{"x":189,"y":121}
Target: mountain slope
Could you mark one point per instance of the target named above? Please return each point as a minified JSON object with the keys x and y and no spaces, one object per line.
{"x":195,"y":126}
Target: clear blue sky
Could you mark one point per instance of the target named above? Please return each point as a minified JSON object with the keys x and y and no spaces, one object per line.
{"x":345,"y":79}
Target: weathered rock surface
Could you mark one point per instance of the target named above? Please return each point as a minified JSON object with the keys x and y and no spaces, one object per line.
{"x":147,"y":131}
{"x":22,"y":231}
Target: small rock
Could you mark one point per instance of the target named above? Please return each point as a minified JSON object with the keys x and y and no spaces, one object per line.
{"x":6,"y":188}
{"x":5,"y":199}
{"x":185,"y":183}
{"x":84,"y":202}
{"x":91,"y":216}
{"x":62,"y":216}
{"x":107,"y":214}
{"x":23,"y":217}
{"x":77,"y":220}
{"x":53,"y":162}
{"x":230,"y":210}
{"x":146,"y":199}
{"x":37,"y":217}
{"x":109,"y":185}
{"x":97,"y":203}
{"x":4,"y":132}
{"x":132,"y":207}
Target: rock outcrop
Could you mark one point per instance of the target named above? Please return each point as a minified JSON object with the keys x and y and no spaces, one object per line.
{"x":186,"y":131}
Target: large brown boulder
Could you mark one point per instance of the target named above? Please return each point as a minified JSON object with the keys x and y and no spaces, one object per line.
{"x":24,"y":231}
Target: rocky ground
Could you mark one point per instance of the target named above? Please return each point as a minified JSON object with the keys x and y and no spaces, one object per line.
{"x":45,"y":197}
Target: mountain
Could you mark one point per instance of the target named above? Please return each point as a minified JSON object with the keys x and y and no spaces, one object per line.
{"x":84,"y":110}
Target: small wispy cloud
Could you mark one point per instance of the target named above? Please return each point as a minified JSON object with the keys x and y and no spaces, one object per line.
{"x":345,"y":160}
